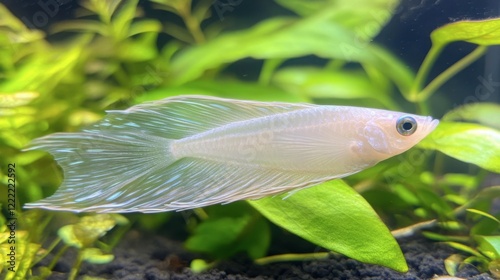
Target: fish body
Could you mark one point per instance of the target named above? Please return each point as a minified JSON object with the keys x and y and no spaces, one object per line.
{"x":192,"y":151}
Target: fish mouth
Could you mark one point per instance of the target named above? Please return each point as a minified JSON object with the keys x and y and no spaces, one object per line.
{"x":432,"y":123}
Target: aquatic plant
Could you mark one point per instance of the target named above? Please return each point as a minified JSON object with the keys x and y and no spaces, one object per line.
{"x":111,"y":58}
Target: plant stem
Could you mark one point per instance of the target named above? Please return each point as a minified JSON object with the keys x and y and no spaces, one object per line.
{"x":268,"y":69}
{"x":74,"y":270}
{"x":47,"y":252}
{"x":201,"y":213}
{"x":410,"y":230}
{"x":292,"y":257}
{"x":422,"y":108}
{"x":450,"y":72}
{"x":57,"y":257}
{"x":423,"y":71}
{"x":192,"y":23}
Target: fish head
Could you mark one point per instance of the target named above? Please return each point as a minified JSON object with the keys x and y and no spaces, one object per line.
{"x":390,"y":133}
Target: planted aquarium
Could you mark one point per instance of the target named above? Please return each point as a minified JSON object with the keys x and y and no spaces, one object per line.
{"x":180,"y":139}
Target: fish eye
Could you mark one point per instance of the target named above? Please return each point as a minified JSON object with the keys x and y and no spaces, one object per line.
{"x":406,"y":125}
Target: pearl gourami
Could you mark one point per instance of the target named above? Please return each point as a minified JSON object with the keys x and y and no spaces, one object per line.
{"x":192,"y":151}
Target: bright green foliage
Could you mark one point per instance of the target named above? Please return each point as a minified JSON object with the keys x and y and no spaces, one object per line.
{"x":329,"y":33}
{"x":111,"y":58}
{"x":231,"y":89}
{"x":84,"y":234}
{"x":467,"y":142}
{"x":480,"y":32}
{"x":332,"y":215}
{"x":96,"y":256}
{"x":325,"y":83}
{"x":231,"y":229}
{"x":89,"y":229}
{"x":199,"y":265}
{"x":484,"y":113}
{"x":24,"y":252}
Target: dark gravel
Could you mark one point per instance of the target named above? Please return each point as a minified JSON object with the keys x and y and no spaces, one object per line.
{"x":154,"y":258}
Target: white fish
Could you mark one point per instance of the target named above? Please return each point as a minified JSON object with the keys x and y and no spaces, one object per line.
{"x":192,"y":151}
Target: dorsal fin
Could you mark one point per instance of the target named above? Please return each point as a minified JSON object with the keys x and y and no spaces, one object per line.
{"x":179,"y":117}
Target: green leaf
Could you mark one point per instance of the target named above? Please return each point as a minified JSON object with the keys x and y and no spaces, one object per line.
{"x":485,"y":113}
{"x":25,"y":253}
{"x":96,"y":256}
{"x":332,"y":215}
{"x":230,"y":229}
{"x":272,"y":38}
{"x":440,"y":237}
{"x":480,"y":32}
{"x":304,"y":8}
{"x":15,"y":31}
{"x":467,"y":142}
{"x":322,"y":83}
{"x":434,"y":202}
{"x":82,"y":25}
{"x":464,"y":248}
{"x":452,"y":264}
{"x":484,"y":214}
{"x":225,"y":89}
{"x":489,"y":245}
{"x":364,"y":17}
{"x":199,"y":265}
{"x":122,"y":18}
{"x":89,"y":229}
{"x":466,"y":181}
{"x":140,"y":49}
{"x":144,"y":26}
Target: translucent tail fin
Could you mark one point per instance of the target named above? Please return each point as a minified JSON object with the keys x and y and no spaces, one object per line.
{"x":100,"y":167}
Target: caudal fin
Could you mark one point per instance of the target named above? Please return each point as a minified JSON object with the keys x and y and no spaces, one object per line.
{"x":102,"y":171}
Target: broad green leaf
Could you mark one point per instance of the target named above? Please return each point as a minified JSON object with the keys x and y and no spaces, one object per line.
{"x":224,"y":88}
{"x":332,"y":215}
{"x":230,"y":229}
{"x":322,"y":83}
{"x":89,"y":229}
{"x":364,"y":17}
{"x":272,"y":38}
{"x":484,"y":227}
{"x":489,"y":245}
{"x":483,"y":113}
{"x":480,"y":32}
{"x":467,"y":142}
